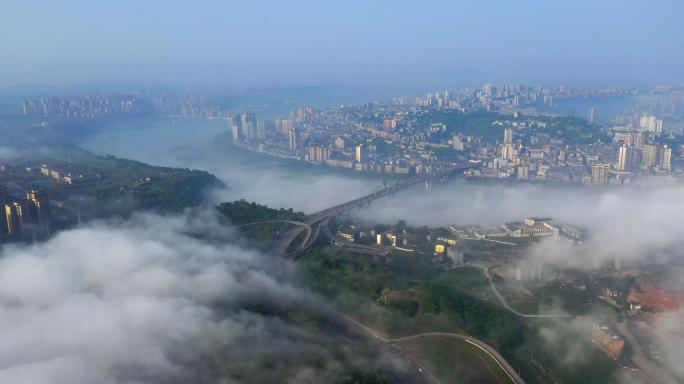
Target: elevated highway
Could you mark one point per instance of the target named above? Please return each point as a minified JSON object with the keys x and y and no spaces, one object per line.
{"x":310,"y":229}
{"x":317,"y":221}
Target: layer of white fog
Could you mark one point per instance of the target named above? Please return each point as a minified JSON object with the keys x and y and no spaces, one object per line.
{"x":155,"y":299}
{"x":638,"y":223}
{"x":196,"y":143}
{"x":633,"y":221}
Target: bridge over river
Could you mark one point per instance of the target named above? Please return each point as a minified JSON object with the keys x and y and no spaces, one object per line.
{"x":309,"y":229}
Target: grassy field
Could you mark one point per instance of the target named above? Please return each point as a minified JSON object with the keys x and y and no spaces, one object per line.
{"x":455,"y":361}
{"x":470,"y":281}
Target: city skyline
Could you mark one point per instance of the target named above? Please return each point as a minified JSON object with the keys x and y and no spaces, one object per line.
{"x":358,"y":192}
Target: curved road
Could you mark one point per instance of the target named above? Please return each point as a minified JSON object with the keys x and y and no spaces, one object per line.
{"x":486,"y":348}
{"x":321,"y":217}
{"x":502,"y":299}
{"x":489,"y":350}
{"x":280,"y":247}
{"x":377,"y":250}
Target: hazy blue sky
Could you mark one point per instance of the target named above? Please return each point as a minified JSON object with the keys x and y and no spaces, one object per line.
{"x":578,"y":42}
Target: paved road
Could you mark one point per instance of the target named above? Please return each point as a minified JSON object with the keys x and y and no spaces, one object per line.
{"x":502,"y":299}
{"x":297,"y":223}
{"x":486,"y":348}
{"x":318,"y":219}
{"x":280,"y":247}
{"x":377,"y":250}
{"x":383,"y":250}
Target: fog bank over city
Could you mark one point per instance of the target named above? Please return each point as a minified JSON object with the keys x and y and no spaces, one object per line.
{"x":350,"y":192}
{"x":647,"y":210}
{"x":636,"y":221}
{"x":203,"y":144}
{"x":633,"y":225}
{"x":156,"y":299}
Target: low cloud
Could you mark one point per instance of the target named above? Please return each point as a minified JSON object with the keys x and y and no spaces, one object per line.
{"x":7,"y":153}
{"x":14,"y":153}
{"x":635,"y":222}
{"x":640,"y":224}
{"x":202,"y":144}
{"x":669,"y":336}
{"x":307,"y":193}
{"x":155,"y":299}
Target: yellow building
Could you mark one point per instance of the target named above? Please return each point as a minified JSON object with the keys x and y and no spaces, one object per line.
{"x":14,"y":218}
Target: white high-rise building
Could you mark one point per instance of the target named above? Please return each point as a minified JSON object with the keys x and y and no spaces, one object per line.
{"x":508,"y":136}
{"x":651,"y":124}
{"x":625,"y":156}
{"x":665,"y":158}
{"x":294,"y":140}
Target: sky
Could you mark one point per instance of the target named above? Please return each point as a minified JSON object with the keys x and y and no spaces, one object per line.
{"x":352,"y":43}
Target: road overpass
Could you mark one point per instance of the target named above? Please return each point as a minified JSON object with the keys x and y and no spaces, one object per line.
{"x":315,"y":221}
{"x":310,"y":229}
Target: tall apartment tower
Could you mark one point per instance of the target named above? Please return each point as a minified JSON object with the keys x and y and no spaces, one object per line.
{"x":261,"y":130}
{"x":235,"y":128}
{"x":508,"y":136}
{"x":625,"y":156}
{"x":635,"y":139}
{"x":294,"y":140}
{"x":14,"y":219}
{"x":649,"y":157}
{"x":599,"y":174}
{"x":38,"y":207}
{"x":248,"y":125}
{"x":305,"y":114}
{"x":361,"y":156}
{"x":665,"y":158}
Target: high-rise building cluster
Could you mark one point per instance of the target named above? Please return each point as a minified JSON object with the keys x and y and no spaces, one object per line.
{"x":305,"y":114}
{"x":87,"y":107}
{"x":253,"y":134}
{"x":639,"y":150}
{"x":431,"y":132}
{"x":293,"y":138}
{"x":400,"y":137}
{"x":318,"y":153}
{"x":651,"y":124}
{"x":244,"y":126}
{"x":646,"y":156}
{"x":283,"y":126}
{"x":24,"y":219}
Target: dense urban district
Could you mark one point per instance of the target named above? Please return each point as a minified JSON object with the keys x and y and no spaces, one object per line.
{"x":498,"y":130}
{"x":435,"y":295}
